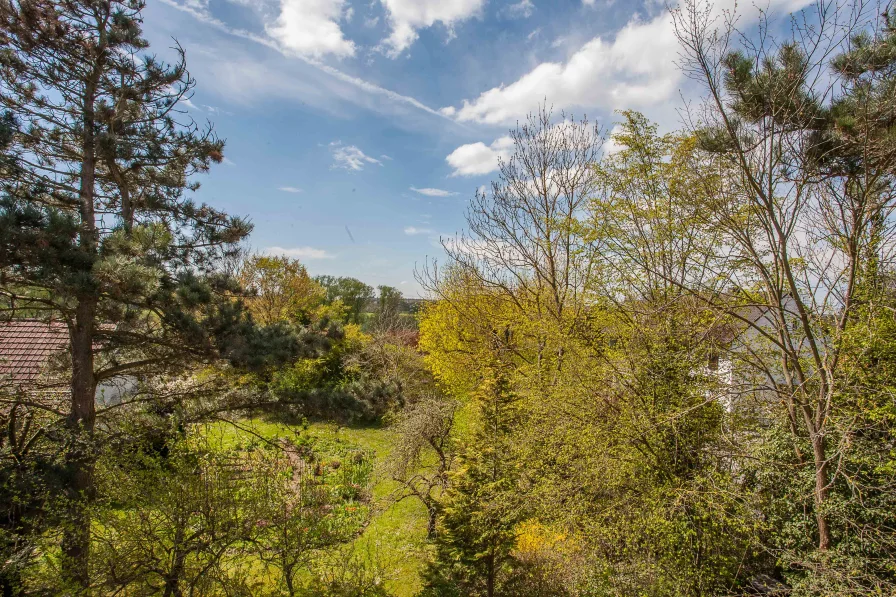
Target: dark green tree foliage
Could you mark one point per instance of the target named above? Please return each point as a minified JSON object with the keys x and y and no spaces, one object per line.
{"x":480,"y":510}
{"x":96,"y":228}
{"x":344,"y":379}
{"x":388,"y":303}
{"x":354,"y":294}
{"x":31,"y":471}
{"x":859,"y":139}
{"x":853,"y":136}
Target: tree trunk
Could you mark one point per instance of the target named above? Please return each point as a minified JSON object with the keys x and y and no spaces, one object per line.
{"x":821,"y":492}
{"x":431,"y":522}
{"x":82,"y":416}
{"x":490,"y":575}
{"x":820,"y":464}
{"x":288,"y":580}
{"x":172,"y":583}
{"x":172,"y":579}
{"x":79,"y":459}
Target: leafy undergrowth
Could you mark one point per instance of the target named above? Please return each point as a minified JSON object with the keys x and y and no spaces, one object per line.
{"x":394,"y":537}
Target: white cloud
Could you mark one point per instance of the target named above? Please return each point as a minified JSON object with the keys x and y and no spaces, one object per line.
{"x":635,"y":70}
{"x":311,"y":28}
{"x":371,"y":22}
{"x":290,"y":189}
{"x":433,"y":192}
{"x":611,"y":146}
{"x":299,"y":252}
{"x":350,"y":157}
{"x":412,"y":231}
{"x":478,"y":158}
{"x":407,"y":16}
{"x":519,"y":10}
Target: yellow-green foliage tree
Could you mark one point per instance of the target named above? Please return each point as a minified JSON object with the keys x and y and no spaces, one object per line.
{"x":618,"y":434}
{"x":280,"y":290}
{"x":467,"y":327}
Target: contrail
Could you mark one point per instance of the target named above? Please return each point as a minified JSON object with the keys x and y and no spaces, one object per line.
{"x":206,"y":18}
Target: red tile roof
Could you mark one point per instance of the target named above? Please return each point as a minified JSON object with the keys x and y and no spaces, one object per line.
{"x":25,"y":347}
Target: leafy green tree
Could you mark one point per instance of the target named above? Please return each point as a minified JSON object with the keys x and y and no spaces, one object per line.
{"x":620,"y":446}
{"x":280,"y":290}
{"x":301,"y":510}
{"x":30,"y":476}
{"x":354,"y":294}
{"x":388,"y":307}
{"x":424,"y":453}
{"x":665,"y":519}
{"x":201,"y":517}
{"x":171,"y":522}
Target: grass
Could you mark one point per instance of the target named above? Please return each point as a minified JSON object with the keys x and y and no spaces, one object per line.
{"x":395,"y":536}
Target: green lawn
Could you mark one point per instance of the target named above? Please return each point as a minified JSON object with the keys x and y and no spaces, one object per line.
{"x":396,"y":533}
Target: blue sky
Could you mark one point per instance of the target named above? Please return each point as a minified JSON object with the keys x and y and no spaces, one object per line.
{"x":357,"y":130}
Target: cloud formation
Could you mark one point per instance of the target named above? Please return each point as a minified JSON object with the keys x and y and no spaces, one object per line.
{"x":519,"y":10}
{"x":633,"y":70}
{"x":429,"y":192}
{"x":198,"y":9}
{"x":350,"y":157}
{"x":299,"y":252}
{"x":407,"y":16}
{"x":311,"y":28}
{"x":475,"y":159}
{"x":412,"y":231}
{"x":290,"y":189}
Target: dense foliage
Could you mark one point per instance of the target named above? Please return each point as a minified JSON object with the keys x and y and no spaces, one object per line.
{"x":695,"y":326}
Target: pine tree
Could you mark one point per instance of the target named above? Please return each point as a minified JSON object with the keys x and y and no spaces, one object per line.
{"x":96,"y":228}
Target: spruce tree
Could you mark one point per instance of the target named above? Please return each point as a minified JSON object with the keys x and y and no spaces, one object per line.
{"x":479,"y":512}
